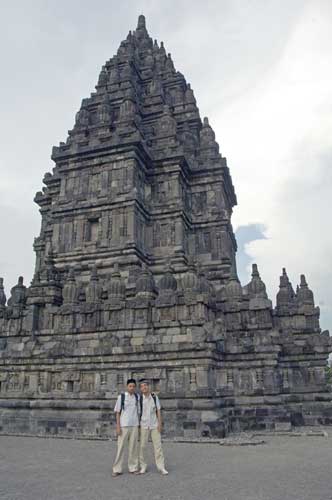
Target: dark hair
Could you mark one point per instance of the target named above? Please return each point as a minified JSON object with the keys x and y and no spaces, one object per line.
{"x":144,"y":381}
{"x":131,"y":381}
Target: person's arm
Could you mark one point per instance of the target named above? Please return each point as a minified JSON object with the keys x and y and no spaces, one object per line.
{"x":117,"y":410}
{"x":160,"y":422}
{"x":118,"y":426}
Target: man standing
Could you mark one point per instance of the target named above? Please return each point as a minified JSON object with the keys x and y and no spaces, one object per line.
{"x":151,"y":423}
{"x":127,"y":421}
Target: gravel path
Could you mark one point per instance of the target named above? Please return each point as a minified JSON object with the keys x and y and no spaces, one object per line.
{"x":59,"y":469}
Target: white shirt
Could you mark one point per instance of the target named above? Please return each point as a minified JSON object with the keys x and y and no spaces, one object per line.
{"x":129,"y":415}
{"x":149,"y":416}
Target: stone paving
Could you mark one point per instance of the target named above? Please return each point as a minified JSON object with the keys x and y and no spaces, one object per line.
{"x":64,"y":469}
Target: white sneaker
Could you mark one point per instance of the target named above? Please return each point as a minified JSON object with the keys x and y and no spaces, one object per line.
{"x":142,"y":471}
{"x":164,"y":472}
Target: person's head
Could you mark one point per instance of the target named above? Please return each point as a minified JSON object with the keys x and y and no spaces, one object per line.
{"x":144,"y":386}
{"x":131,"y":385}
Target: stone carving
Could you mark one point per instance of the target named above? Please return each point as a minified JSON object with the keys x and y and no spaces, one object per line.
{"x":103,"y":77}
{"x":189,"y":95}
{"x":140,"y":185}
{"x":70,"y":289}
{"x":116,"y":287}
{"x":145,"y":285}
{"x":3,"y":298}
{"x":93,"y":291}
{"x":18,"y":295}
{"x":82,"y":118}
{"x":166,"y":124}
{"x":209,"y":146}
{"x":104,"y":112}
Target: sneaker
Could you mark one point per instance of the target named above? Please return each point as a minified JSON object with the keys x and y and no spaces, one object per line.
{"x":164,"y":472}
{"x":142,"y":471}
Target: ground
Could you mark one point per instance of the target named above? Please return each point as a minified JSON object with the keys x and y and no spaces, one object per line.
{"x":284,"y":468}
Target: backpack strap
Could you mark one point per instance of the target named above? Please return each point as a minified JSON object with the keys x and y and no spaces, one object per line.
{"x":123,"y":396}
{"x":137,"y":397}
{"x":140,"y":407}
{"x":155,"y":400}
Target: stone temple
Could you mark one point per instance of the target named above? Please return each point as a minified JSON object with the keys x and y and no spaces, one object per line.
{"x":136,"y":276}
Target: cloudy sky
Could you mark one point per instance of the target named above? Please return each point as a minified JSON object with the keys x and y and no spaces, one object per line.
{"x":261,"y":71}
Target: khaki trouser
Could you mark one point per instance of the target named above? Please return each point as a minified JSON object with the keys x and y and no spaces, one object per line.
{"x":128,"y":435}
{"x":157,"y":448}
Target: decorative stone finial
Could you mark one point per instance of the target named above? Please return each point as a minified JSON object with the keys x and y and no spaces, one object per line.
{"x":256,"y":288}
{"x":255,"y":273}
{"x":3,"y":298}
{"x":141,"y":22}
{"x":93,"y":290}
{"x":233,"y":288}
{"x":303,"y":282}
{"x":284,"y":278}
{"x":304,"y":295}
{"x":145,"y":284}
{"x":286,"y":295}
{"x":116,"y":286}
{"x":190,"y":279}
{"x":168,"y":282}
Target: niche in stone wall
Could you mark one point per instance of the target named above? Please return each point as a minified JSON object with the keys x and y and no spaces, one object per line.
{"x":165,"y":313}
{"x":116,"y":317}
{"x":230,"y":378}
{"x":199,"y":203}
{"x":141,"y":315}
{"x":175,"y":381}
{"x":163,"y":234}
{"x":87,"y":383}
{"x":13,"y":382}
{"x":56,"y":382}
{"x":243,"y":382}
{"x":161,"y":190}
{"x":26,"y":382}
{"x":70,"y":386}
{"x":42,"y":381}
{"x":92,"y":229}
{"x":203,"y":241}
{"x":155,"y":385}
{"x":120,"y":380}
{"x":103,"y":379}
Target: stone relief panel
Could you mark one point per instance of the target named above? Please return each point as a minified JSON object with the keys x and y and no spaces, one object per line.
{"x":163,"y":234}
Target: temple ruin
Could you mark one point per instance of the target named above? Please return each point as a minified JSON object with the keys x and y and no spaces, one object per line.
{"x":136,"y":276}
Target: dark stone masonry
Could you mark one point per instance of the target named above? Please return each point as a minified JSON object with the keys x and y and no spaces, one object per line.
{"x":136,"y":276}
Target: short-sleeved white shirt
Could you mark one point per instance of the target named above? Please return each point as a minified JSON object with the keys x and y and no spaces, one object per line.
{"x":149,"y":417}
{"x":129,"y":415}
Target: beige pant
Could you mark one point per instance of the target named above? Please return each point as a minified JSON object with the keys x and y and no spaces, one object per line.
{"x":128,"y":435}
{"x":157,"y":448}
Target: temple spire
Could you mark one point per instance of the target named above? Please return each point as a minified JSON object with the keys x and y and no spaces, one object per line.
{"x":141,"y":22}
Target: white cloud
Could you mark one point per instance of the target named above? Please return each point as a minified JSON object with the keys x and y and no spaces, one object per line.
{"x":281,"y":157}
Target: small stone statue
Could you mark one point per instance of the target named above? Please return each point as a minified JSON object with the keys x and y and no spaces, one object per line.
{"x":3,"y":298}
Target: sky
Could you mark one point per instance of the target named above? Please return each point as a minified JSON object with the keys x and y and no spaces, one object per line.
{"x":261,"y":71}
